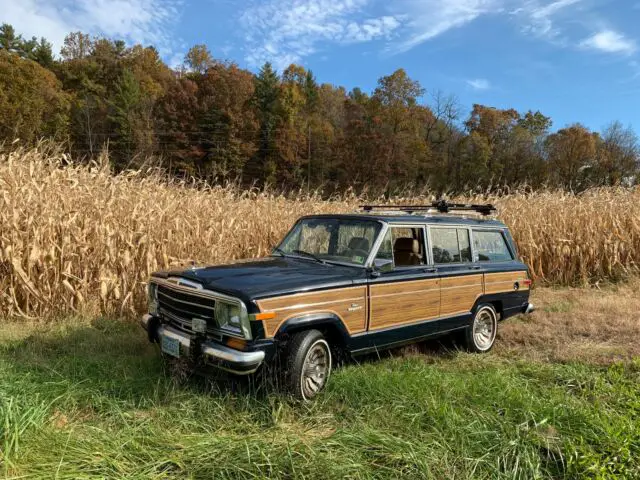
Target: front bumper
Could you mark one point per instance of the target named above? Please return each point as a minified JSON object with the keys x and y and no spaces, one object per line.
{"x":212,"y":353}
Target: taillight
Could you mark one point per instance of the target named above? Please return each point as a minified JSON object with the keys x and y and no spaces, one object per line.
{"x":528,"y":282}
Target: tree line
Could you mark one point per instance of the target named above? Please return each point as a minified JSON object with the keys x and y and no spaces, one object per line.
{"x":212,"y":120}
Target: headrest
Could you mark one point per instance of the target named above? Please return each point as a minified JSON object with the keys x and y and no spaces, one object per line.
{"x":407,"y":245}
{"x":359,"y":243}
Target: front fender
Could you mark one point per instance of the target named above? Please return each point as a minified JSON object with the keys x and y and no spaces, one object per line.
{"x":319,"y":320}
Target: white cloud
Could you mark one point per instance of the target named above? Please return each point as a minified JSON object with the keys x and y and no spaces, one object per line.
{"x":479,"y":84}
{"x":609,"y":41}
{"x":135,"y":21}
{"x":285,"y":31}
{"x":540,"y":18}
{"x":430,"y":18}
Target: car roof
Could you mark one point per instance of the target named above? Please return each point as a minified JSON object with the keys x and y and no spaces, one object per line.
{"x":403,"y":219}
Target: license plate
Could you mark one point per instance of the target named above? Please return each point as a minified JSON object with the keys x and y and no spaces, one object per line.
{"x":170,"y":346}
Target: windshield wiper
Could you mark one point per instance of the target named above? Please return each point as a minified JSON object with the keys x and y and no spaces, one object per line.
{"x":311,"y":255}
{"x":280,"y":251}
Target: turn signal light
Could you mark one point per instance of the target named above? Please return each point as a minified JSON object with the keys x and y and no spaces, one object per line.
{"x":263,"y":316}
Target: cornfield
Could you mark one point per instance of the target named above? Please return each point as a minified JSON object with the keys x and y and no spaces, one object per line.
{"x":75,"y":238}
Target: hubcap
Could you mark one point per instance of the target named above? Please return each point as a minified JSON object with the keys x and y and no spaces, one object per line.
{"x":484,"y":331}
{"x":316,"y":369}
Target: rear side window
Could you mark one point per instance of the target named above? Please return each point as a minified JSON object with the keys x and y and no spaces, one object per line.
{"x":490,"y":246}
{"x":450,"y":245}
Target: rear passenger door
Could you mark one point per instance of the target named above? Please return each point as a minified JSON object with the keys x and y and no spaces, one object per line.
{"x":411,"y":292}
{"x":461,"y":281}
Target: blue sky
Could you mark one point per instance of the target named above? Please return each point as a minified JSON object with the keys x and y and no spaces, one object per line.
{"x":574,"y":60}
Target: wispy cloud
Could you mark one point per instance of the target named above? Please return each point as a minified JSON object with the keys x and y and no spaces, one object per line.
{"x":431,"y":18}
{"x":135,"y":21}
{"x":285,"y":31}
{"x":542,"y":19}
{"x":609,"y":41}
{"x":479,"y":84}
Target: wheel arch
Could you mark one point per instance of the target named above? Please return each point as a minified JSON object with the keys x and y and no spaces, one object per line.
{"x":330,"y":324}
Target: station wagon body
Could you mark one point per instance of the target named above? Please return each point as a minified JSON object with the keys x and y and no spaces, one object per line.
{"x":348,"y":283}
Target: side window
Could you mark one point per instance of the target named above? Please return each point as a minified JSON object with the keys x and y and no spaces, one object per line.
{"x":450,"y":245}
{"x":385,"y":252}
{"x":490,"y":246}
{"x":403,"y":245}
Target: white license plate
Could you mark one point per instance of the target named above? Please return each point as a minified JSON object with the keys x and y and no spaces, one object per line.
{"x":170,"y":346}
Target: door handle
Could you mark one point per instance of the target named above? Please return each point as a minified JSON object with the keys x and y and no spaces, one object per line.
{"x":431,"y":270}
{"x":475,"y":267}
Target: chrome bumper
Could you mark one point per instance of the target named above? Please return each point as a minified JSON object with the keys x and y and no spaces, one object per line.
{"x":530,"y":308}
{"x":214,"y":354}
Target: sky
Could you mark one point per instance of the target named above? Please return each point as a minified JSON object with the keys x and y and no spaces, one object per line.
{"x":574,"y":60}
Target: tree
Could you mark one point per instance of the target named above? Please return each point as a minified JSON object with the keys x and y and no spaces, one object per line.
{"x":266,"y":100}
{"x":76,"y":46}
{"x":198,"y":59}
{"x":572,"y":156}
{"x":618,"y":155}
{"x":32,"y":102}
{"x":9,"y":41}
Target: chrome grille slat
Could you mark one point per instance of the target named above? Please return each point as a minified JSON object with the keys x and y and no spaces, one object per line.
{"x":164,"y":294}
{"x":179,"y":307}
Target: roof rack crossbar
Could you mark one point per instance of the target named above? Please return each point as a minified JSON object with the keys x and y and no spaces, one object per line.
{"x":441,"y":206}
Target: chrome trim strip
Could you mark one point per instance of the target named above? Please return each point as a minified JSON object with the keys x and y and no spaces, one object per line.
{"x":417,"y":322}
{"x":188,"y":283}
{"x":461,"y":286}
{"x":308,"y":305}
{"x":382,"y":295}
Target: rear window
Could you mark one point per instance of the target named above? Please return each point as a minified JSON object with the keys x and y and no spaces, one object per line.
{"x":491,"y":246}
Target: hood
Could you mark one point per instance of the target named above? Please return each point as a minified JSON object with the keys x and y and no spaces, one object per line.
{"x":269,"y":276}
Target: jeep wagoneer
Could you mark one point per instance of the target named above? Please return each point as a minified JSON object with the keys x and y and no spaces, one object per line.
{"x":348,"y":284}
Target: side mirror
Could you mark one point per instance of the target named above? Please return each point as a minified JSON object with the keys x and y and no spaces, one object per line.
{"x":383,"y":265}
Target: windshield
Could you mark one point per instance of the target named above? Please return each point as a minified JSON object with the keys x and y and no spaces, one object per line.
{"x":331,"y":240}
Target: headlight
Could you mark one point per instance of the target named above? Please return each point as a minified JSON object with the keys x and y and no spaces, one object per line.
{"x":152,"y":295}
{"x":229,"y":317}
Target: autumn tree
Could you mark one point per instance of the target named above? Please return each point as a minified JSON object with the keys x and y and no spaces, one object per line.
{"x":572,"y":156}
{"x":198,"y":59}
{"x":32,"y":102}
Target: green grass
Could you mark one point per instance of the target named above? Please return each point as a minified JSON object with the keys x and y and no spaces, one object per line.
{"x":93,"y":400}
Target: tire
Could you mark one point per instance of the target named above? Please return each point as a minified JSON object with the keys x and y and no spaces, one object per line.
{"x":481,"y":334}
{"x":308,"y":364}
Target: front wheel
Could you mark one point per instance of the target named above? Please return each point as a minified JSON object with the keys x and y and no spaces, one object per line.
{"x":481,"y":334}
{"x":308,"y":364}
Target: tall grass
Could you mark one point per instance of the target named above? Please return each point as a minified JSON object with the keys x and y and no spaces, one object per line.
{"x":76,"y":238}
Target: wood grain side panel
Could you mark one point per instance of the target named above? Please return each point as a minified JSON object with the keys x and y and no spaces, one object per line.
{"x":503,"y":282}
{"x":458,"y":294}
{"x":395,"y":304}
{"x":349,"y":304}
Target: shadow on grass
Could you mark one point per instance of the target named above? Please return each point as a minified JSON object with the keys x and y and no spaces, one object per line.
{"x":113,"y":359}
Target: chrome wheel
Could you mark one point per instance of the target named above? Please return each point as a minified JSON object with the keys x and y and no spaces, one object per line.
{"x":315,"y":369}
{"x":484,"y":329}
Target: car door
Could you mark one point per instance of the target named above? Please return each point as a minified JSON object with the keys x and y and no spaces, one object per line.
{"x":410,"y":293}
{"x":461,"y":280}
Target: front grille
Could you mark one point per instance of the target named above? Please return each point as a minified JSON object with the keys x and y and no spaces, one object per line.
{"x":180,"y":308}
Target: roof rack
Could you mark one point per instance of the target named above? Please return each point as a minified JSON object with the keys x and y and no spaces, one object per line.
{"x":440,"y":206}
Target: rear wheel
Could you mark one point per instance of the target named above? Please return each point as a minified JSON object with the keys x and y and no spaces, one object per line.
{"x":481,"y":334}
{"x":308,"y":364}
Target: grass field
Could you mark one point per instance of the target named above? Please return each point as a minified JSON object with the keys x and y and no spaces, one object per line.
{"x":557,"y":398}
